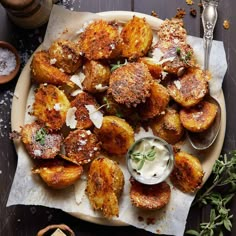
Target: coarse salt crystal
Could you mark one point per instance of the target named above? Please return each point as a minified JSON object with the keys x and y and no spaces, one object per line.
{"x":7,"y":61}
{"x":37,"y":153}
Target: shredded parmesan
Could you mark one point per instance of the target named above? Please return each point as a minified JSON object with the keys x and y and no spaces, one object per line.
{"x":57,"y":107}
{"x":70,"y":118}
{"x":101,"y":88}
{"x":95,"y":116}
{"x":53,"y":61}
{"x":177,"y":84}
{"x":78,"y":79}
{"x":157,"y":54}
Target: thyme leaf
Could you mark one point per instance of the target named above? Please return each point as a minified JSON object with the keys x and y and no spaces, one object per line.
{"x":119,"y":64}
{"x":41,"y":136}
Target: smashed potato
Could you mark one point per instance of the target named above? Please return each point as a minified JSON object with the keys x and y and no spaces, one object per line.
{"x":190,"y":89}
{"x":137,"y":38}
{"x":116,"y":135}
{"x":149,"y":197}
{"x":65,"y":54}
{"x":97,"y":75}
{"x":130,"y":84}
{"x":187,"y":173}
{"x":168,"y":126}
{"x":81,"y":147}
{"x":58,"y":174}
{"x":156,"y":103}
{"x":39,"y":142}
{"x":44,"y":72}
{"x":50,"y":106}
{"x":82,"y":114}
{"x":200,"y":117}
{"x":100,"y":40}
{"x":104,"y":186}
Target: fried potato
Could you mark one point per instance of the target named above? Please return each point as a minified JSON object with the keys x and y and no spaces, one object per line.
{"x":50,"y":106}
{"x":44,"y":72}
{"x":100,"y":40}
{"x":154,"y":68}
{"x":39,"y":142}
{"x":187,"y":173}
{"x":81,"y":147}
{"x":116,"y":135}
{"x":137,"y":38}
{"x":58,"y":174}
{"x":149,"y":197}
{"x":130,"y":84}
{"x":97,"y":75}
{"x":198,"y":118}
{"x":190,"y":89}
{"x":82,"y":114}
{"x":65,"y":54}
{"x":104,"y":186}
{"x":172,"y":29}
{"x":168,"y":126}
{"x":156,"y":103}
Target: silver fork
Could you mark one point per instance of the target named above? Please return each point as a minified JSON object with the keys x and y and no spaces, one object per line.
{"x":209,"y":18}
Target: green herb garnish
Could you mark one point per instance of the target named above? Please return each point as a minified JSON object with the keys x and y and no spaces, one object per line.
{"x":224,"y":177}
{"x":41,"y":136}
{"x":140,"y":158}
{"x":184,"y":57}
{"x":119,"y":64}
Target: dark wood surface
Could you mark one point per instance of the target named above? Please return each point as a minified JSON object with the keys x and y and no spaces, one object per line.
{"x":27,"y":220}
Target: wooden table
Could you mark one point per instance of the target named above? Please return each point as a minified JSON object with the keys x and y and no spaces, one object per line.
{"x":27,"y":220}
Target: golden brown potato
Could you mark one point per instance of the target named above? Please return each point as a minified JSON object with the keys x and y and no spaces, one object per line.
{"x":65,"y":54}
{"x":154,"y":68}
{"x":116,"y":135}
{"x":198,"y":118}
{"x":39,"y":142}
{"x":81,"y":147}
{"x":130,"y":84}
{"x":82,"y":114}
{"x":149,"y":197}
{"x":187,"y":173}
{"x":44,"y":72}
{"x":58,"y":174}
{"x":156,"y":103}
{"x":137,"y":38}
{"x":100,"y":40}
{"x":190,"y":89}
{"x":50,"y":106}
{"x":97,"y":75}
{"x":104,"y":186}
{"x":168,"y":126}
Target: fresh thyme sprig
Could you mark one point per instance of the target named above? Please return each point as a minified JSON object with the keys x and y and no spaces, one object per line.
{"x":223,"y":176}
{"x":119,"y":64}
{"x":184,"y":57}
{"x":140,"y":157}
{"x":41,"y":136}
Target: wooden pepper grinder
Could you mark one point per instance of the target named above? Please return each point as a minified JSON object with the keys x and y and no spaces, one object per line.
{"x":28,"y":14}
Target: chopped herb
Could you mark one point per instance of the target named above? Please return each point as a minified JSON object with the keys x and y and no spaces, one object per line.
{"x":41,"y":136}
{"x":183,"y":57}
{"x":116,"y":66}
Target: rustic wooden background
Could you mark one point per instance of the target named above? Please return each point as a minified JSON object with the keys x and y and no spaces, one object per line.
{"x":27,"y":220}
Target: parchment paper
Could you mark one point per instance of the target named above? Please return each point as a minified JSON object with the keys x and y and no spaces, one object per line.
{"x":28,"y":189}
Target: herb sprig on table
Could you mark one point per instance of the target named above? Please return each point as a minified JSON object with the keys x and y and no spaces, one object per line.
{"x":218,"y":192}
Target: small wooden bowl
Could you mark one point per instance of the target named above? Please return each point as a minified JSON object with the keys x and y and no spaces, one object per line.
{"x":6,"y":78}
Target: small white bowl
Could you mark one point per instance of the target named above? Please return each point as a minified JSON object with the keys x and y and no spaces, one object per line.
{"x":168,"y":164}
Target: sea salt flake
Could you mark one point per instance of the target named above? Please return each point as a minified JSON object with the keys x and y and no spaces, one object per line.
{"x":7,"y":61}
{"x":95,"y":116}
{"x":71,"y":118}
{"x":37,"y":153}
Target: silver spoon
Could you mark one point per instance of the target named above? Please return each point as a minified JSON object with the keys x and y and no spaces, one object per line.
{"x":204,"y":140}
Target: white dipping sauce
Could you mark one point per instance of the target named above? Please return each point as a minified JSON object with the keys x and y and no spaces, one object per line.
{"x":149,"y":158}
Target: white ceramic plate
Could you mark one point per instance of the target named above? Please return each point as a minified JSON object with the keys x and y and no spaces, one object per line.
{"x":24,"y":84}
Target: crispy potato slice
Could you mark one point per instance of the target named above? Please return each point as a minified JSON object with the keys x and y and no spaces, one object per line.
{"x":97,"y":75}
{"x":50,"y":106}
{"x":130,"y":84}
{"x":44,"y":72}
{"x":104,"y":186}
{"x":190,"y":89}
{"x":81,"y":147}
{"x":200,"y":117}
{"x":137,"y":38}
{"x":100,"y":40}
{"x":58,"y":174}
{"x":149,"y":197}
{"x":65,"y":54}
{"x":168,"y":126}
{"x":116,"y":135}
{"x":187,"y":173}
{"x":82,"y":114}
{"x":156,"y":103}
{"x":39,"y":142}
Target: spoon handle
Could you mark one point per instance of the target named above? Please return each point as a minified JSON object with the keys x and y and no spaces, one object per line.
{"x":209,"y":18}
